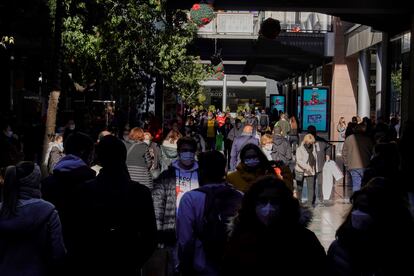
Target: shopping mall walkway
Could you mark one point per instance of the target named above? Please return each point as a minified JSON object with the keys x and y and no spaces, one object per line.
{"x":327,"y":219}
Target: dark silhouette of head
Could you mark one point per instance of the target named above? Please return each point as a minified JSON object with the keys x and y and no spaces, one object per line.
{"x":80,"y":145}
{"x":111,"y":152}
{"x":212,"y":167}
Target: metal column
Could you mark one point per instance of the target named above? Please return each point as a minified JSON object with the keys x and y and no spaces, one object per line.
{"x":224,"y":93}
{"x":363,"y":84}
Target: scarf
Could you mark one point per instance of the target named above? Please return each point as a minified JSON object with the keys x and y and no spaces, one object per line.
{"x":311,"y":159}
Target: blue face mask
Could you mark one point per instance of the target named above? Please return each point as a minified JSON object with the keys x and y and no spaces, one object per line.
{"x":187,"y":158}
{"x":361,"y":220}
{"x":252,"y":162}
{"x":267,"y":213}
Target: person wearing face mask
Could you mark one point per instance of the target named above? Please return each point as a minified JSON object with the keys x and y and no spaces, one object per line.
{"x":375,"y":238}
{"x":155,"y":154}
{"x":180,"y":177}
{"x":253,"y":165}
{"x":203,"y":216}
{"x":56,"y":153}
{"x":306,"y":168}
{"x":246,"y":137}
{"x":269,"y":232}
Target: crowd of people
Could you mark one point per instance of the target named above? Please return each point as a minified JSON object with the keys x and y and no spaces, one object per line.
{"x":219,"y":195}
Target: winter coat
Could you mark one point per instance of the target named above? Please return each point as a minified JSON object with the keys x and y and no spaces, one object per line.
{"x":31,"y":242}
{"x":165,"y":197}
{"x":139,"y":162}
{"x":290,"y":250}
{"x":357,"y":151}
{"x":234,"y":133}
{"x":64,"y":190}
{"x":302,"y":165}
{"x":281,"y":150}
{"x":118,"y":230}
{"x":323,"y":149}
{"x":243,"y":178}
{"x":168,"y":154}
{"x":190,"y":218}
{"x":56,"y":153}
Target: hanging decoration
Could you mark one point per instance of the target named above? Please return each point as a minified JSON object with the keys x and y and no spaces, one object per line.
{"x":202,"y":14}
{"x":218,"y":71}
{"x":217,"y":65}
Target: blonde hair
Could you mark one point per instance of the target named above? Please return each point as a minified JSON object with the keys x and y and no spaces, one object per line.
{"x":266,"y":139}
{"x":173,"y":136}
{"x":146,"y":133}
{"x":308,"y":139}
{"x":293,"y":123}
{"x":136,"y":134}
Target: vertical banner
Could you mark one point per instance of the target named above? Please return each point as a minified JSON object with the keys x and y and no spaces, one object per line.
{"x":277,"y":102}
{"x":315,"y":108}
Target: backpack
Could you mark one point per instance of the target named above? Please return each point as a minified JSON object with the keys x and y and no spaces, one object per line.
{"x":221,"y":204}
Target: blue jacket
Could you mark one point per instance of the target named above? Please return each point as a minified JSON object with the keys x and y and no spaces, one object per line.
{"x":190,"y":216}
{"x":31,"y":242}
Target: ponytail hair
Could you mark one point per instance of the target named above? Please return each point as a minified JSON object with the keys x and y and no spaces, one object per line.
{"x":10,"y":194}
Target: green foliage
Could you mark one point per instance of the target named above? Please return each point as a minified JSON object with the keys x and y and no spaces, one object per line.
{"x":122,"y":43}
{"x":396,"y":79}
{"x":212,"y":108}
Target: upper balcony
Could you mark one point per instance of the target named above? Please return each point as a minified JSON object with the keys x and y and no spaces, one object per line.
{"x":246,"y":25}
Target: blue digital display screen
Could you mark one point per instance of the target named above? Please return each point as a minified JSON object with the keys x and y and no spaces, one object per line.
{"x":277,"y":102}
{"x":315,"y":108}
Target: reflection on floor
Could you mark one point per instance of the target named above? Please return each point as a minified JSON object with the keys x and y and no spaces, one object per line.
{"x":326,"y":220}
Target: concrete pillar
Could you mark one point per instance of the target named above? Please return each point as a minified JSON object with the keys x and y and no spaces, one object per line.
{"x":363,"y":84}
{"x":224,"y":93}
{"x":344,"y":81}
{"x":381,"y":78}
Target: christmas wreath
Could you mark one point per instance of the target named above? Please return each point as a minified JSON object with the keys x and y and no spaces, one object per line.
{"x":201,"y":14}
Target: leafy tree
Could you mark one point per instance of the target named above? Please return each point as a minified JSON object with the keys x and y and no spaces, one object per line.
{"x":123,"y":43}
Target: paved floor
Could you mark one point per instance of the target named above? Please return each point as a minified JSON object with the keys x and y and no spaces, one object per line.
{"x":326,"y":220}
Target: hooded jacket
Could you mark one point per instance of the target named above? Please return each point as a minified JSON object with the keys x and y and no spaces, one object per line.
{"x":64,"y":189}
{"x":31,"y":242}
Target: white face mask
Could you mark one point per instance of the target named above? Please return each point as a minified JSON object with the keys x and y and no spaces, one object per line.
{"x":361,"y":220}
{"x":266,"y":213}
{"x":72,"y":127}
{"x":147,"y":142}
{"x":9,"y":133}
{"x":268,"y":147}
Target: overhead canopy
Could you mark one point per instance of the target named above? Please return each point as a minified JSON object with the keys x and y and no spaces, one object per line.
{"x":275,"y":59}
{"x":393,"y":16}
